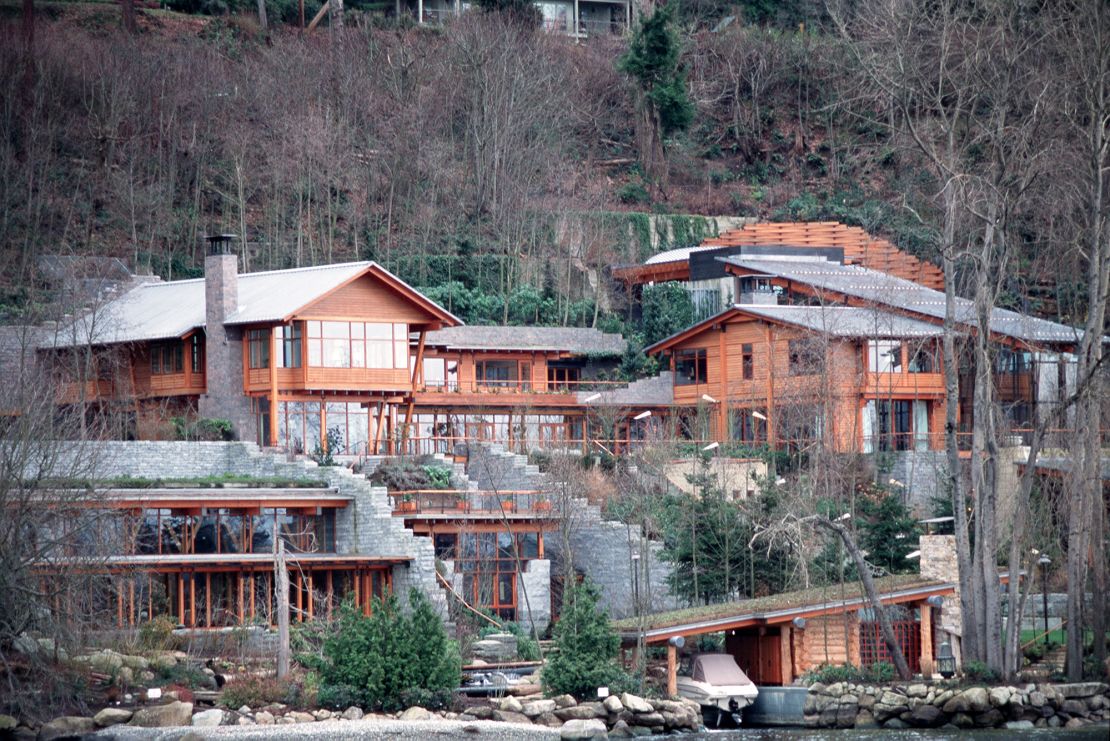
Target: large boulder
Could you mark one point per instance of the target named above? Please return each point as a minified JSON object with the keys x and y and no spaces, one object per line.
{"x":971,"y":700}
{"x":613,"y":704}
{"x":536,"y":708}
{"x":999,"y":696}
{"x":65,"y":727}
{"x":112,"y":717}
{"x":580,"y":729}
{"x":164,"y":716}
{"x":511,"y":704}
{"x":636,"y":704}
{"x":508,"y":716}
{"x":415,"y":713}
{"x":585,"y":711}
{"x":209,"y":718}
{"x":352,"y":713}
{"x":926,"y":716}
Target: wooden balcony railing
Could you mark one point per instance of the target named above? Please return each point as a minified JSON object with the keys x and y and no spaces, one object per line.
{"x":465,"y":501}
{"x":519,"y":387}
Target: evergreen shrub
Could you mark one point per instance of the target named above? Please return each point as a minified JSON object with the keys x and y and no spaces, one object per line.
{"x":389,"y":660}
{"x":586,"y":648}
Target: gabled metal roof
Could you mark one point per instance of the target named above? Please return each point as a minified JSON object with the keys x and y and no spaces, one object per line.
{"x":889,"y":290}
{"x":575,"y":340}
{"x":846,"y":321}
{"x":158,"y":311}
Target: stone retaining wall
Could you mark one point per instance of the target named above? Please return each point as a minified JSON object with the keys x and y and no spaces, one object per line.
{"x":943,"y":704}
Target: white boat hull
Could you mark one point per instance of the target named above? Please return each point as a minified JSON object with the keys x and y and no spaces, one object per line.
{"x":727,"y":698}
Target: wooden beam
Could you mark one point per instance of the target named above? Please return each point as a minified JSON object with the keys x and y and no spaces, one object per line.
{"x":785,"y":659}
{"x":275,"y":348}
{"x":722,"y":394}
{"x":672,"y":670}
{"x":926,"y":627}
{"x":418,"y":365}
{"x":319,"y":16}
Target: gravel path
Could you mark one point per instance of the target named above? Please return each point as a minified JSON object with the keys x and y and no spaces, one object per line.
{"x":370,"y":729}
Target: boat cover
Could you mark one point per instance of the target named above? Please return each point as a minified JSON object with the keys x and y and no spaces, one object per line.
{"x":719,"y":670}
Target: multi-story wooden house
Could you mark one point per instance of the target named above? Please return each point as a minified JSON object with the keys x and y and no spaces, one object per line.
{"x":861,"y":379}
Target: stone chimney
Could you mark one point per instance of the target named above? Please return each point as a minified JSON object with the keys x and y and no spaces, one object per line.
{"x":223,"y":349}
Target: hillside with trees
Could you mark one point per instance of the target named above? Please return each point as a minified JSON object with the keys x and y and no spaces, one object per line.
{"x":490,"y":162}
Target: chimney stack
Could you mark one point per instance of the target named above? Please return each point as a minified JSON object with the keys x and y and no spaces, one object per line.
{"x":223,"y":352}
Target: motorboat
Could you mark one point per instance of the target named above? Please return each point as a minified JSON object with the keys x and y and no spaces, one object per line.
{"x":720,"y":686}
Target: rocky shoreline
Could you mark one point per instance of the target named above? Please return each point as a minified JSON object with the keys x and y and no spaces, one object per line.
{"x":624,"y":716}
{"x":938,"y":705}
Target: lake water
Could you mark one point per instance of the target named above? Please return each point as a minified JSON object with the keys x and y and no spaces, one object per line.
{"x":1091,"y":733}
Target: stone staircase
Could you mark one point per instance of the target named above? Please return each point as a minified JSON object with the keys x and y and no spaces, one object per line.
{"x":600,"y":548}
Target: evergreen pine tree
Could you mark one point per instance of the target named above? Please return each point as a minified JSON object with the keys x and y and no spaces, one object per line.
{"x":586,"y":645}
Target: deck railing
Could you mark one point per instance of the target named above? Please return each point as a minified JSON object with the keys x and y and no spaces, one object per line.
{"x":520,"y":386}
{"x":467,"y":501}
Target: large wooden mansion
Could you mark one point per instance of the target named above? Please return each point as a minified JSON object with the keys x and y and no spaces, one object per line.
{"x":813,"y":333}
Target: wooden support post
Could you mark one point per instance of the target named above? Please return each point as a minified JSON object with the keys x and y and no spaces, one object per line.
{"x":119,"y":605}
{"x":239,"y":591}
{"x":770,"y":391}
{"x":672,"y":670}
{"x":311,"y":594}
{"x":324,"y":425}
{"x":418,"y":365}
{"x":785,"y":660}
{"x":722,"y":393}
{"x":926,"y":627}
{"x":299,"y":588}
{"x":272,"y":433}
{"x":181,"y":598}
{"x":208,"y":599}
{"x":281,"y":583}
{"x":250,"y":583}
{"x":193,"y":600}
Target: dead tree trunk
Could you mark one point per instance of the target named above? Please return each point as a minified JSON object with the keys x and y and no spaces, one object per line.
{"x":864,"y":570}
{"x":281,"y":600}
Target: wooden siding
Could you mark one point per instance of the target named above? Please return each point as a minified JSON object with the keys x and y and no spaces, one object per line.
{"x":366,"y":299}
{"x":829,"y":639}
{"x":841,"y":385}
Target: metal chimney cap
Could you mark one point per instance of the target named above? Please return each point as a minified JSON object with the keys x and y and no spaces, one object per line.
{"x":220,"y":244}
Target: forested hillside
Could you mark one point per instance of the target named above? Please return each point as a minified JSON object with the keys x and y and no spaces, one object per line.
{"x":496,"y":164}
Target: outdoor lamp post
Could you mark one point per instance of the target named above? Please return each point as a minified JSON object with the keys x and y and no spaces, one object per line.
{"x":1044,"y":561}
{"x":946,"y":661}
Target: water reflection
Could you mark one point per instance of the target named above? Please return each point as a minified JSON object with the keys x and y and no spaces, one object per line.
{"x":801,"y":734}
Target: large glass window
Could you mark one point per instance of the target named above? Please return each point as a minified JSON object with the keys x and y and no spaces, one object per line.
{"x":358,"y":345}
{"x":258,"y":346}
{"x":289,"y":338}
{"x":747,"y":361}
{"x":167,"y":358}
{"x":884,"y":356}
{"x":691,"y":367}
{"x":922,"y":359}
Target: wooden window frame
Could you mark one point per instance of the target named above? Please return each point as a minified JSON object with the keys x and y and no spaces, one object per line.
{"x":699,"y":358}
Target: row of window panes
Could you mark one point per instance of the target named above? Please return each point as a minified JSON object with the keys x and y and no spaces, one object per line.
{"x":333,"y":345}
{"x":358,"y":345}
{"x":167,"y":359}
{"x":886,"y":356}
{"x":163,"y":531}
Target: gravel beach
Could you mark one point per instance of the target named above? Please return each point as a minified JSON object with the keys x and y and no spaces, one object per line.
{"x":370,"y":729}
